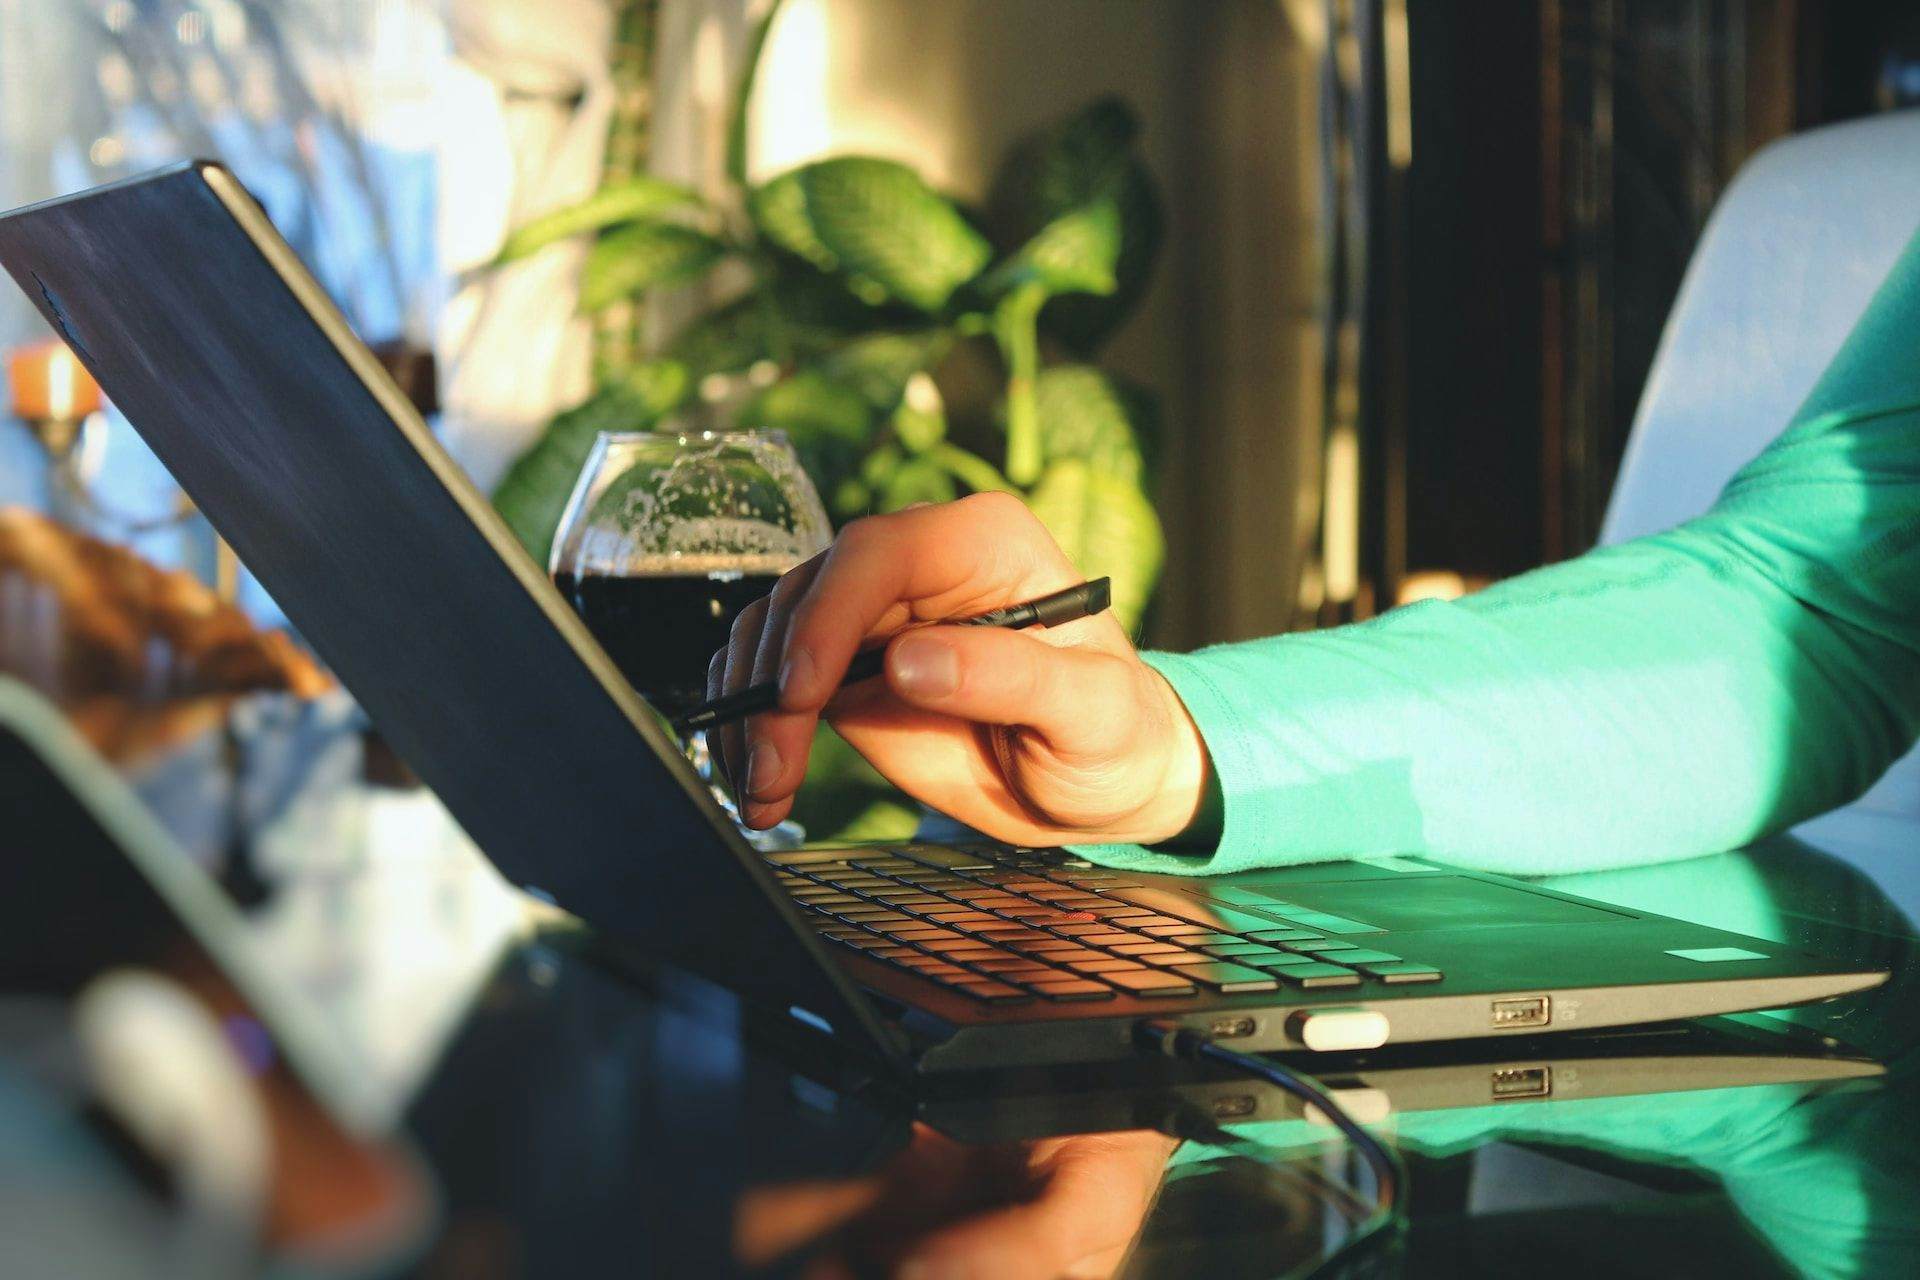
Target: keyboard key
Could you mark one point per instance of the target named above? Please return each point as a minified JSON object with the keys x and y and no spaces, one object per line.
{"x":1149,"y":982}
{"x":1082,"y":930}
{"x":1107,"y":938}
{"x":1051,"y":918}
{"x":1245,"y":952}
{"x":993,"y":992}
{"x":957,"y":916}
{"x":874,"y":916}
{"x":1016,"y":964}
{"x":1119,"y":913}
{"x":944,"y":859}
{"x":1404,"y":971}
{"x":929,"y":966}
{"x":1111,"y":964}
{"x":1204,"y":940}
{"x":1174,"y":931}
{"x":1075,"y":901}
{"x":1192,"y":910}
{"x":1012,"y":934}
{"x":1317,"y":975}
{"x":945,"y":947}
{"x":1360,"y":959}
{"x":1135,"y":948}
{"x":1327,"y":945}
{"x":917,"y":936}
{"x":1073,"y":989}
{"x":1167,"y":959}
{"x":1283,"y":935}
{"x":973,"y":954}
{"x":1227,"y":977}
{"x":1063,"y":954}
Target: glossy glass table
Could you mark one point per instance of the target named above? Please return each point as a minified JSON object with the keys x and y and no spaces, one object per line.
{"x":561,"y":1109}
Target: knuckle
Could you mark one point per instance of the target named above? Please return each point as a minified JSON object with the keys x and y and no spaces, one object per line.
{"x":746,"y":623}
{"x":859,"y":534}
{"x":785,"y":591}
{"x":997,"y":505}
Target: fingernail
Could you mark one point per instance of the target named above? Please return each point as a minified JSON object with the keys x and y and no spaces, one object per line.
{"x":763,"y":767}
{"x":796,"y":674}
{"x":927,"y":667}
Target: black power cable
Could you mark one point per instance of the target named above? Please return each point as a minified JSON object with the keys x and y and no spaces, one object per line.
{"x":1164,"y":1036}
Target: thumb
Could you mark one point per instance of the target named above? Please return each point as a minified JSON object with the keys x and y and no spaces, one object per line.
{"x":1080,"y":701}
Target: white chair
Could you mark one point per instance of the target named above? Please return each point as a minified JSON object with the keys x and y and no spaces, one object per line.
{"x":1790,"y":258}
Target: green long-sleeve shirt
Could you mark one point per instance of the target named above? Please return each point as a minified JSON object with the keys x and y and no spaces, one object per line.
{"x":1674,"y":695}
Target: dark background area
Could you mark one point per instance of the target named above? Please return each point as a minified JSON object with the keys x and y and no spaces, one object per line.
{"x":1565,"y":157}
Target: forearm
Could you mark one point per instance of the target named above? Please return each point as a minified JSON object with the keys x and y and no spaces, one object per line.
{"x":1671,"y":696}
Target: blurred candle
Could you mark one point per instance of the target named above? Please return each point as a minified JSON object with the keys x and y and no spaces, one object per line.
{"x":49,"y":384}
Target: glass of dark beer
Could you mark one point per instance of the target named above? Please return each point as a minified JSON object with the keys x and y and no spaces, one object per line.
{"x":667,"y":537}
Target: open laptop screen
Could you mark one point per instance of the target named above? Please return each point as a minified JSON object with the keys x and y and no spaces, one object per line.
{"x":203,"y":328}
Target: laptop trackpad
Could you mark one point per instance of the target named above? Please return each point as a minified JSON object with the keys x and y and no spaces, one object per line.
{"x":1416,"y":902}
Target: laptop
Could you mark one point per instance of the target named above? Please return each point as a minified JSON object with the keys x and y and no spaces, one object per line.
{"x":202,"y":326}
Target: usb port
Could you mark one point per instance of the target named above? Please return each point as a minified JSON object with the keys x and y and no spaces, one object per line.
{"x":1231,"y":1028}
{"x":1522,"y":1082}
{"x":1530,"y":1011}
{"x":1235,"y":1106}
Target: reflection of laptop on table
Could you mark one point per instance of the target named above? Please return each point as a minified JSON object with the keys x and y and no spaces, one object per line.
{"x":207,"y":333}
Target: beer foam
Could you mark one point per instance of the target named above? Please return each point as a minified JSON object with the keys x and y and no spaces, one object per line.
{"x":722,"y":568}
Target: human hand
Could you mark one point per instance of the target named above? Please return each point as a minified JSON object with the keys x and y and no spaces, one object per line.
{"x":1058,"y":1207}
{"x":1051,"y":736}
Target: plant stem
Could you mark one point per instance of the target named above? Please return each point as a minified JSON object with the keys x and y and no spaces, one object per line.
{"x":1016,"y":330}
{"x":617,"y":337}
{"x":743,"y":98}
{"x":969,"y":469}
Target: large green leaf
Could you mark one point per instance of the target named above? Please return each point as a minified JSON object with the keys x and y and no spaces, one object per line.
{"x":644,"y":255}
{"x":1107,"y":527}
{"x":1087,"y":413}
{"x":876,"y":223}
{"x":637,"y":197}
{"x":1077,"y":252}
{"x":880,"y":365}
{"x":830,"y":425}
{"x":1092,"y":155}
{"x":725,"y":340}
{"x":808,"y":406}
{"x":535,"y":489}
{"x":917,"y":480}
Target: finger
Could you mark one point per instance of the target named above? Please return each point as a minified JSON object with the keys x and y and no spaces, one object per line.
{"x":1080,"y":701}
{"x":930,"y":562}
{"x":778,"y":741}
{"x":742,"y":642}
{"x":1096,"y":1195}
{"x":716,"y":681}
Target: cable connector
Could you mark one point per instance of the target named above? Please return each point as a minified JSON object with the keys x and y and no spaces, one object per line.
{"x":1167,"y":1037}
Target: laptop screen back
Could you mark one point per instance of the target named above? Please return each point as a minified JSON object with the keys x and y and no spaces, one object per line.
{"x":208,"y":335}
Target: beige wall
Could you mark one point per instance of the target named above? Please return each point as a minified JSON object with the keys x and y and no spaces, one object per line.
{"x":1226,"y":336}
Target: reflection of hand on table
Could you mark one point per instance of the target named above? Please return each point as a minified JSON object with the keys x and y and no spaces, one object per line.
{"x":1060,"y":1207}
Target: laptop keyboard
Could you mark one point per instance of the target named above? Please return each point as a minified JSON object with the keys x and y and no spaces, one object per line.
{"x":1012,"y":926}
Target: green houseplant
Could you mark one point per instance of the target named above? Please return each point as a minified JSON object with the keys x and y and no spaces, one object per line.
{"x":912,"y":349}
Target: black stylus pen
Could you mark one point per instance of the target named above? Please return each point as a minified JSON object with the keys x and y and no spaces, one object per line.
{"x":1070,"y":605}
